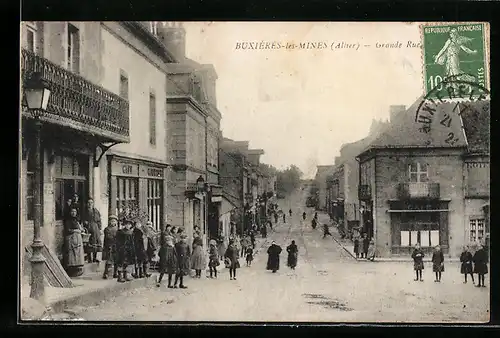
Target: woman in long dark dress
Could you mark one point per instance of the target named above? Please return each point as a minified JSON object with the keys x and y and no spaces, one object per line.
{"x":73,"y":256}
{"x":168,"y":258}
{"x":480,"y":260}
{"x":91,"y":219}
{"x":273,"y":260}
{"x":293,"y":252}
{"x":466,"y":267}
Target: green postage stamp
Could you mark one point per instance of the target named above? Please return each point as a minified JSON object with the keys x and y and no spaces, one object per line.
{"x":455,"y":53}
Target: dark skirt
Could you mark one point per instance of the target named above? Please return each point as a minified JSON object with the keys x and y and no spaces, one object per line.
{"x":466,"y":268}
{"x":292,"y":260}
{"x":481,"y":268}
{"x":94,"y":244}
{"x":168,"y":260}
{"x":418,"y":265}
{"x":437,"y":267}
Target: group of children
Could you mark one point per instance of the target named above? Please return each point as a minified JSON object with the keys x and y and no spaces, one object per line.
{"x":125,"y":245}
{"x":470,"y":263}
{"x":364,"y":247}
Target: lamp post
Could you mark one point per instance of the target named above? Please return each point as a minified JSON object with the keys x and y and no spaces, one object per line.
{"x":37,"y":95}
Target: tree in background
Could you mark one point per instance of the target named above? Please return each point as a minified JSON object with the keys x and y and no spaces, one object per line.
{"x":288,"y":180}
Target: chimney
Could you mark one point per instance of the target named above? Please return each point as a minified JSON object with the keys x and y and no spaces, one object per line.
{"x":395,"y":111}
{"x":173,"y":36}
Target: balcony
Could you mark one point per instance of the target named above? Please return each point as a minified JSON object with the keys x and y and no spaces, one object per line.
{"x":418,"y":190}
{"x":364,"y":192}
{"x":78,"y":103}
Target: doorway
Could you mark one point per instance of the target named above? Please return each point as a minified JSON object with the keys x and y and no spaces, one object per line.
{"x":213,"y":221}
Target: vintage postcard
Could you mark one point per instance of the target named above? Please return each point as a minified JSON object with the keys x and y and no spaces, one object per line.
{"x":333,"y":172}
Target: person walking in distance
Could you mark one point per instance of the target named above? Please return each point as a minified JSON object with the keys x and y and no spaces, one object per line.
{"x":437,"y":263}
{"x":466,"y":264}
{"x":168,"y":257}
{"x":366,"y":244}
{"x":183,"y":252}
{"x":418,"y":262}
{"x":304,"y":215}
{"x":290,"y":212}
{"x":231,"y":257}
{"x":109,"y":248}
{"x":273,"y":260}
{"x":480,"y":260}
{"x":326,"y":230}
{"x":249,"y":256}
{"x":293,"y":252}
{"x":213,"y":258}
{"x":284,"y":218}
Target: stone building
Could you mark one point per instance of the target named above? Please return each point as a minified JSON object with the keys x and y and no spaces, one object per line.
{"x":103,"y":135}
{"x":342,"y":202}
{"x":423,"y":187}
{"x":322,"y":172}
{"x":193,"y":138}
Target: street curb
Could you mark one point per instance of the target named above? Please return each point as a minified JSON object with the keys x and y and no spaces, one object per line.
{"x":345,"y":249}
{"x":96,"y":296}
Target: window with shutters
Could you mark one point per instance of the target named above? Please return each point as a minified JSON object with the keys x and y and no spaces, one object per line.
{"x":73,"y":52}
{"x":123,"y":85}
{"x":31,"y":36}
{"x":476,"y":230}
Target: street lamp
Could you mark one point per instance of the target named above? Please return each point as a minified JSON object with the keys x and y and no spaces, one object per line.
{"x":37,"y":95}
{"x":200,"y":184}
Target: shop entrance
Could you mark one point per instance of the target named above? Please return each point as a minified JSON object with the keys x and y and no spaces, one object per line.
{"x":213,"y":221}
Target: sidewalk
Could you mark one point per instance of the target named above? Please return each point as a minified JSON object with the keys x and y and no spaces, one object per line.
{"x":348,"y":245}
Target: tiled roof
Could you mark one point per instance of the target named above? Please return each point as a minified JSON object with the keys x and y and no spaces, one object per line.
{"x":405,"y":132}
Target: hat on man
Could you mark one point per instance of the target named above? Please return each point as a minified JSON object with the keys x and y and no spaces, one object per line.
{"x":113,"y":217}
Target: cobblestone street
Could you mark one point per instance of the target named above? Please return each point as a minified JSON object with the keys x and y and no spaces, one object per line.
{"x":328,"y":285}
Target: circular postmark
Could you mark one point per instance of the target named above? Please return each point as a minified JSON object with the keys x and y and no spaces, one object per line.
{"x":453,"y":97}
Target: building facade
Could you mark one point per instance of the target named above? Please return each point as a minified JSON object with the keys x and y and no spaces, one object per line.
{"x":414,"y":184}
{"x":322,"y":172}
{"x":194,"y":132}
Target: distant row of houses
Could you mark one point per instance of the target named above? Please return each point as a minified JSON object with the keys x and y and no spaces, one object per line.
{"x":404,"y":183}
{"x":133,"y":124}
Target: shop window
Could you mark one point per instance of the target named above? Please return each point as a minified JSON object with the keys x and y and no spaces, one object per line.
{"x":418,"y":172}
{"x":476,"y":230}
{"x":73,"y":51}
{"x":420,"y":228}
{"x":127,"y":194}
{"x":155,"y":202}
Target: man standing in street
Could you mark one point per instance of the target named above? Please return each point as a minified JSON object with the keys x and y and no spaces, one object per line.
{"x":326,"y":231}
{"x":92,"y":222}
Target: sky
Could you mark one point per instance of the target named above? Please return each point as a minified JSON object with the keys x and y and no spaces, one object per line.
{"x":300,"y":106}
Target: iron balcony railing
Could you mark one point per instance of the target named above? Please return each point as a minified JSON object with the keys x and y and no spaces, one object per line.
{"x":418,"y":190}
{"x":364,"y":192}
{"x":79,"y":100}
